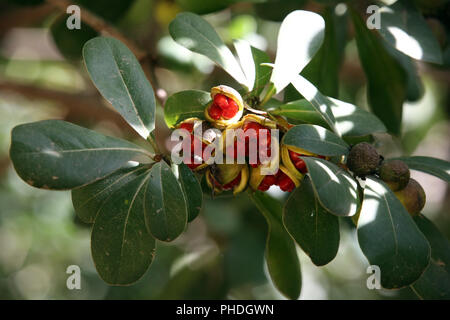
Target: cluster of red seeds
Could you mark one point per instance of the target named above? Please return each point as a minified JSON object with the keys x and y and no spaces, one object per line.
{"x":223,"y":107}
{"x":279,"y":179}
{"x":190,"y":162}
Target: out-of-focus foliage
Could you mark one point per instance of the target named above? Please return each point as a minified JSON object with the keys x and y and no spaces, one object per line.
{"x":222,"y":254}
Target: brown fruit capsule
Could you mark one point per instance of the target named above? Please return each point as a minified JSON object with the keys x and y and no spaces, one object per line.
{"x":363,"y":159}
{"x":395,"y":173}
{"x":412,"y":197}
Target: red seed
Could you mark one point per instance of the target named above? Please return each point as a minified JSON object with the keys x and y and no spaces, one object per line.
{"x":221,"y":101}
{"x":215,"y":111}
{"x":187,"y":126}
{"x":230,"y":111}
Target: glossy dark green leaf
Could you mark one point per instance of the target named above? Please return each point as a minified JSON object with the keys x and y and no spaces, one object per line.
{"x":164,"y":204}
{"x":192,"y":191}
{"x":202,"y":6}
{"x":110,"y":10}
{"x":350,"y":120}
{"x":386,"y":80}
{"x":120,"y":79}
{"x":276,"y":10}
{"x":323,"y":70}
{"x":281,"y":256}
{"x":312,"y":227}
{"x":185,"y":104}
{"x":389,"y":238}
{"x":70,"y":42}
{"x":296,"y":49}
{"x":404,"y":28}
{"x":197,"y":35}
{"x":55,"y":154}
{"x":414,"y":85}
{"x":322,"y":104}
{"x":315,"y":139}
{"x":122,"y":248}
{"x":251,"y":59}
{"x":436,"y":167}
{"x":435,"y":282}
{"x":300,"y":110}
{"x":336,"y":190}
{"x":88,"y":200}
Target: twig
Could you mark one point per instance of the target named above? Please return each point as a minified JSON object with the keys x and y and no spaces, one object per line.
{"x":100,"y":25}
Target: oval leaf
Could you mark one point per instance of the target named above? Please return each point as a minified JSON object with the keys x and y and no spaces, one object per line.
{"x":300,"y":37}
{"x":122,"y":248}
{"x":350,"y":120}
{"x":389,"y":237}
{"x":404,"y":28}
{"x":192,"y":191}
{"x":312,"y":227}
{"x":55,"y":154}
{"x":88,"y":200}
{"x":315,"y":139}
{"x":386,"y":87}
{"x":120,"y":79}
{"x":281,"y":255}
{"x":336,"y":190}
{"x":321,"y":103}
{"x":185,"y":104}
{"x":196,"y":34}
{"x":435,"y":282}
{"x":436,"y":167}
{"x":164,"y":204}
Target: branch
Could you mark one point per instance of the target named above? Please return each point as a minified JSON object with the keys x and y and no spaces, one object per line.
{"x":80,"y":107}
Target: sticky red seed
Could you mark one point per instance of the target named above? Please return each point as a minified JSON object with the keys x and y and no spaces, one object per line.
{"x":215,"y":111}
{"x":221,"y":101}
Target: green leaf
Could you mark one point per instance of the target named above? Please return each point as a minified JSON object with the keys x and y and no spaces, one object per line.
{"x":436,"y":167}
{"x":70,"y":42}
{"x":164,"y":204}
{"x":122,"y":248}
{"x":251,"y":59}
{"x":323,"y":70}
{"x":300,"y":110}
{"x":404,"y":28}
{"x":435,"y":282}
{"x":389,"y":238}
{"x":192,"y":191}
{"x":315,"y":139}
{"x":262,"y":72}
{"x":336,"y":190}
{"x":185,"y":104}
{"x":55,"y":154}
{"x":386,"y":80}
{"x":120,"y":79}
{"x":281,"y":255}
{"x":299,"y":38}
{"x":197,"y":35}
{"x":322,"y":104}
{"x":312,"y":227}
{"x":88,"y":200}
{"x":351,"y":121}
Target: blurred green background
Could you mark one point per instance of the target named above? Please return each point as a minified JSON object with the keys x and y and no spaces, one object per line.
{"x":221,"y":255}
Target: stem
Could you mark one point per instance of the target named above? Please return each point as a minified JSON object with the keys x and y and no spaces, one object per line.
{"x":153,"y":143}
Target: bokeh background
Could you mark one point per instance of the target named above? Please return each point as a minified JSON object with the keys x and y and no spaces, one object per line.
{"x":221,"y":255}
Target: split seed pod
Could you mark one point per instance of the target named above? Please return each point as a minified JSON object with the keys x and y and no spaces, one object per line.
{"x":229,"y":93}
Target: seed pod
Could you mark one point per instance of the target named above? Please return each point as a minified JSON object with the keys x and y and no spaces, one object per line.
{"x":241,"y":147}
{"x":262,"y":182}
{"x":228,"y":177}
{"x":395,"y":173}
{"x":216,"y":116}
{"x":191,"y":125}
{"x":363,"y":159}
{"x":297,"y":166}
{"x":412,"y":197}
